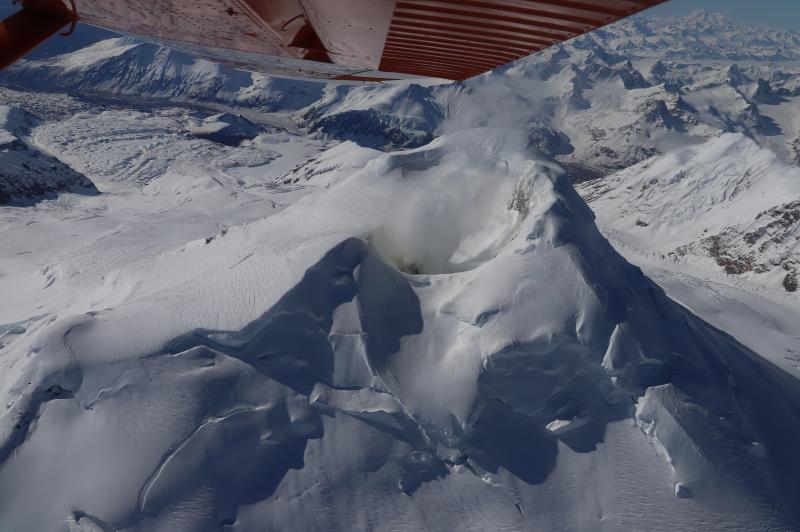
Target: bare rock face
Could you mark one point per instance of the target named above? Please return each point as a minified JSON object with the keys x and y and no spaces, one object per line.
{"x":768,"y":245}
{"x":790,"y":281}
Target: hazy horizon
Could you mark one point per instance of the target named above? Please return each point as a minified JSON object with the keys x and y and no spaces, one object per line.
{"x":780,"y":13}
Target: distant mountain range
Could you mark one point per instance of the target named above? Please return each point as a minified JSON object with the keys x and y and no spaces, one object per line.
{"x":598,"y":104}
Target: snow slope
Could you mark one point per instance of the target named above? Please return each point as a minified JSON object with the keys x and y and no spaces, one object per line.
{"x":26,"y":173}
{"x":729,"y":202}
{"x":126,"y":66}
{"x":256,"y":326}
{"x":364,"y":356}
{"x":717,"y":226}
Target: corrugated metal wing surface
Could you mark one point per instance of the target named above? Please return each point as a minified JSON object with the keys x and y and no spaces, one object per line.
{"x":342,"y":39}
{"x":458,"y":39}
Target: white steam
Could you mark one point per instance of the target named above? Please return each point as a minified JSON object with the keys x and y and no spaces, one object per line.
{"x":452,"y":220}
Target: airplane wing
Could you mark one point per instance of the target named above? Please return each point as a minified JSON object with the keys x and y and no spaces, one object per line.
{"x":364,"y":40}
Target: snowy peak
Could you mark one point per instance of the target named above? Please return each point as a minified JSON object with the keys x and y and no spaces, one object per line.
{"x":700,"y":35}
{"x":709,"y":20}
{"x":435,"y":331}
{"x":718,"y":67}
{"x":401,"y":116}
{"x":728,"y":201}
{"x":127,"y":66}
{"x":102,"y":53}
{"x":654,"y":112}
{"x":734,"y":76}
{"x":268,"y":328}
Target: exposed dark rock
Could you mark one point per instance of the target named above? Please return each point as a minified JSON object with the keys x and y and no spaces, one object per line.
{"x":790,"y":282}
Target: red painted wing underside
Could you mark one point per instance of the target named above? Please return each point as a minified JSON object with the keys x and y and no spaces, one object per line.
{"x":453,"y":39}
{"x":458,"y":39}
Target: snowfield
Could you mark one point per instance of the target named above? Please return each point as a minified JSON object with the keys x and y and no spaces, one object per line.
{"x":729,"y":201}
{"x":369,"y":348}
{"x":287,"y":306}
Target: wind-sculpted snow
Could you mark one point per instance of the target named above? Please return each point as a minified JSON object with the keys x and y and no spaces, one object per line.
{"x":127,"y":146}
{"x":306,"y":371}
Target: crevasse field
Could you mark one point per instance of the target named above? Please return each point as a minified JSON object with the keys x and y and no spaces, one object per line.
{"x":556,"y":297}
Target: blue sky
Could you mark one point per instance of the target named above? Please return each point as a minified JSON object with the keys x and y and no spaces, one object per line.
{"x":783,"y":13}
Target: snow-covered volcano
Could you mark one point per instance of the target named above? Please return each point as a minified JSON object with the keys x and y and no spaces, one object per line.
{"x":299,"y":307}
{"x":437,"y":338}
